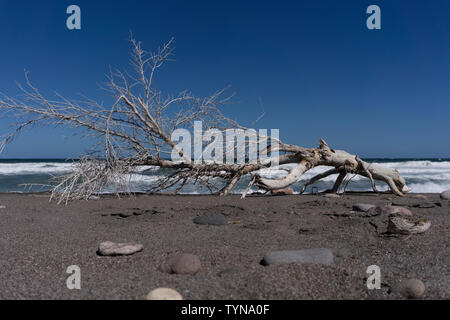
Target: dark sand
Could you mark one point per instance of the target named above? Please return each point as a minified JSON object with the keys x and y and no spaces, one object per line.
{"x":39,"y":240}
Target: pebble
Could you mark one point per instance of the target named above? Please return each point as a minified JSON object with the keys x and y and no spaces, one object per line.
{"x":282,"y":192}
{"x":362,"y":207}
{"x":445,"y":195}
{"x":109,"y":248}
{"x":315,"y":256}
{"x":181,"y":263}
{"x":164,"y":294}
{"x":413,"y":288}
{"x":2,"y":207}
{"x":214,"y":219}
{"x":390,"y":210}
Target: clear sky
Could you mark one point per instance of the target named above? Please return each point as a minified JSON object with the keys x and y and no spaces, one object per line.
{"x":318,"y":70}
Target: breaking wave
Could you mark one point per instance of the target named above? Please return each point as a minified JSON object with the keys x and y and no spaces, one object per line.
{"x":422,"y":176}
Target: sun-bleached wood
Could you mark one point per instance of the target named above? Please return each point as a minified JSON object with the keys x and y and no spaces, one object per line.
{"x":136,"y":130}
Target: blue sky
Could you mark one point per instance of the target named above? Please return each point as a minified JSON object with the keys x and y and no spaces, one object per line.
{"x":319,"y":72}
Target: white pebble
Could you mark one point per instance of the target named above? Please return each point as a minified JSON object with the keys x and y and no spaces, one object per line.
{"x":413,"y":288}
{"x":164,"y":294}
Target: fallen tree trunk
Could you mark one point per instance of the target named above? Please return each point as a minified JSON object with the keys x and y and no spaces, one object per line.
{"x":138,"y":129}
{"x":343,"y":163}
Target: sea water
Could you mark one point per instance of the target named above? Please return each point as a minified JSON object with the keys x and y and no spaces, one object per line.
{"x":34,"y":175}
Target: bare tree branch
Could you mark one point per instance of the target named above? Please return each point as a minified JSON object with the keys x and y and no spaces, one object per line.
{"x":137,"y":130}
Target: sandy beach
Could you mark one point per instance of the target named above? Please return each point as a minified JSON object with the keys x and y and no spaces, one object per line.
{"x":39,"y":240}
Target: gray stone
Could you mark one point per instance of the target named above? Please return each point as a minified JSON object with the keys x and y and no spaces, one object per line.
{"x":2,"y":207}
{"x":445,"y":195}
{"x":315,"y":256}
{"x":390,"y":210}
{"x":413,"y":288}
{"x":362,"y":207}
{"x":213,"y":219}
{"x":109,"y":248}
{"x":181,"y":263}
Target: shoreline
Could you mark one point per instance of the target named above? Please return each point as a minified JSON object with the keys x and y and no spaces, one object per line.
{"x":39,"y":240}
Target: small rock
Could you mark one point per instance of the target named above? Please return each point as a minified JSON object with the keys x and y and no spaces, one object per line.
{"x":213,"y":219}
{"x":316,"y":256}
{"x":109,"y":248}
{"x":445,"y":195}
{"x":164,"y":294}
{"x":181,"y":263}
{"x":94,"y":198}
{"x":390,"y":210}
{"x":362,"y":207}
{"x":282,"y":192}
{"x":2,"y":207}
{"x":331,"y":195}
{"x":413,"y":288}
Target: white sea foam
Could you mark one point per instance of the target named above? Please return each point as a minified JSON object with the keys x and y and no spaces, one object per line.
{"x":421,"y":176}
{"x":35,"y":168}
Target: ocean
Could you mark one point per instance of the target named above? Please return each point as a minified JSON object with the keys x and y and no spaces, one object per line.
{"x":34,"y":175}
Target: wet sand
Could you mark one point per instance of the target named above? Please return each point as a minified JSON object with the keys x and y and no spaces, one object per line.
{"x":39,"y":240}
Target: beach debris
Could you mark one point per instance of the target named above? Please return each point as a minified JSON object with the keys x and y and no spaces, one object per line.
{"x":94,"y":197}
{"x":181,"y":263}
{"x":445,"y":195}
{"x":400,"y":225}
{"x":390,"y":210}
{"x":211,"y":219}
{"x":413,"y":288}
{"x":282,"y":192}
{"x":315,"y":256}
{"x":362,"y":207}
{"x":109,"y":248}
{"x":164,"y":294}
{"x":2,"y":207}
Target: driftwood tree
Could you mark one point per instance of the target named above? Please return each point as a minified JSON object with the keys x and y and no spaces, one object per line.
{"x":136,"y":129}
